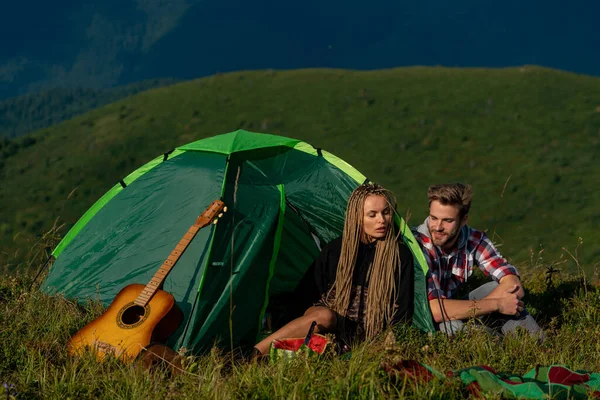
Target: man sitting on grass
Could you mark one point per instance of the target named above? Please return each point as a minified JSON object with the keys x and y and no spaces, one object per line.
{"x":451,"y":249}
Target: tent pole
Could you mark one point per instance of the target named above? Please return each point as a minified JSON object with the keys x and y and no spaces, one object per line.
{"x":235,"y":188}
{"x":42,"y":268}
{"x":276,"y":246}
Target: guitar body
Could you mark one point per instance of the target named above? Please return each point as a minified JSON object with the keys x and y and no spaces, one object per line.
{"x":126,"y":328}
{"x":140,"y":315}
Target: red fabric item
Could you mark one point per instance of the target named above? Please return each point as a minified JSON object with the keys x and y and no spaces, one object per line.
{"x":563,"y":376}
{"x":410,"y":368}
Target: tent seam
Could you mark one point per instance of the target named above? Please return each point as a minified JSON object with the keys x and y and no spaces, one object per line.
{"x":276,"y":246}
{"x":201,"y":284}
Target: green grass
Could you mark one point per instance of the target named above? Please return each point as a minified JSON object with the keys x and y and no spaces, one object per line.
{"x":35,"y":327}
{"x":527,"y":138}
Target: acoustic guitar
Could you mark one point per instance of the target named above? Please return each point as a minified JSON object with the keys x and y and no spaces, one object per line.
{"x":140,"y":315}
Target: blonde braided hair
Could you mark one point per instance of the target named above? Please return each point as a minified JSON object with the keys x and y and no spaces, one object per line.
{"x":381,"y":278}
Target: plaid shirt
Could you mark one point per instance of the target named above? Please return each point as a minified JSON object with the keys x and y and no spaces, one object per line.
{"x":448,"y":271}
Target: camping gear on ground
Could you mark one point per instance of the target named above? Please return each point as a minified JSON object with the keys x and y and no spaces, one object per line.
{"x":542,"y":382}
{"x":141,"y":315}
{"x":286,"y":349}
{"x":285,"y":197}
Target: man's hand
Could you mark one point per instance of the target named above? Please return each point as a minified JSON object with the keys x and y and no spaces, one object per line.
{"x":509,"y":281}
{"x":505,"y":301}
{"x":508,"y":301}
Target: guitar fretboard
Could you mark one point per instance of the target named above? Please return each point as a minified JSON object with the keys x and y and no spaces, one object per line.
{"x":160,"y":275}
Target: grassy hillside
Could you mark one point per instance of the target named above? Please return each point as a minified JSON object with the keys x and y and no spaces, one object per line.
{"x":527,"y":138}
{"x":33,"y":111}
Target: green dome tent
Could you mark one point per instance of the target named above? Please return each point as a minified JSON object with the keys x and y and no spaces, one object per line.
{"x":285,"y":198}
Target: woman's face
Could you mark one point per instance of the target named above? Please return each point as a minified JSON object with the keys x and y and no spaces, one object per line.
{"x":377,"y":217}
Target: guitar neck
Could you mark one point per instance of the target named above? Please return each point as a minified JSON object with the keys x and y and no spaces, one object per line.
{"x":160,"y":275}
{"x":212,"y":211}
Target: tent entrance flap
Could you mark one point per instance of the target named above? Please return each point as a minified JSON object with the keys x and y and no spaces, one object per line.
{"x":274,"y":256}
{"x":298,"y":249}
{"x":237,"y":273}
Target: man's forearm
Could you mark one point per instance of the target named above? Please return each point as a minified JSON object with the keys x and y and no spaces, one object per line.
{"x":507,"y":281}
{"x":461,"y":309}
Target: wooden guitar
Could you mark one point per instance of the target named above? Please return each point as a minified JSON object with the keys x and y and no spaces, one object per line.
{"x":140,"y":315}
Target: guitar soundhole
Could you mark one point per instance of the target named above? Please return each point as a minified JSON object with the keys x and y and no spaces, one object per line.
{"x":133,"y":315}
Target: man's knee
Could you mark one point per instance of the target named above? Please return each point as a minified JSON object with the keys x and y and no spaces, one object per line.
{"x":526,"y":322}
{"x":451,"y":327}
{"x":483,"y":290}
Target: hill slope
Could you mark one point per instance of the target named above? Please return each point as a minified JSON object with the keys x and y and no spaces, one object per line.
{"x":527,"y":138}
{"x":33,"y":111}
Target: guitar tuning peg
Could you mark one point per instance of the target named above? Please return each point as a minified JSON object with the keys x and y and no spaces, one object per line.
{"x":215,"y":222}
{"x":225,"y":209}
{"x":220,"y":215}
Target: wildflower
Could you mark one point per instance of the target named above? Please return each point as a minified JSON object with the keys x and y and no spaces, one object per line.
{"x":9,"y":388}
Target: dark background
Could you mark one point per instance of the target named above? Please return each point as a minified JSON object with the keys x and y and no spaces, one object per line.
{"x":100,"y":45}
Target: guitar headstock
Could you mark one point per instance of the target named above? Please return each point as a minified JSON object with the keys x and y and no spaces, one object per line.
{"x":212,"y":213}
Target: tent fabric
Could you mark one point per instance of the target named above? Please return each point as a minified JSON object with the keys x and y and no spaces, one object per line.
{"x":542,"y":382}
{"x":106,"y":198}
{"x":285,"y":198}
{"x":239,"y":141}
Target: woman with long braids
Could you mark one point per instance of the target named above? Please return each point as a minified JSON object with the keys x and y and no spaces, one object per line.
{"x":365,"y":279}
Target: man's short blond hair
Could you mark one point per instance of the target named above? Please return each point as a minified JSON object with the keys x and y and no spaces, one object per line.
{"x":453,"y":194}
